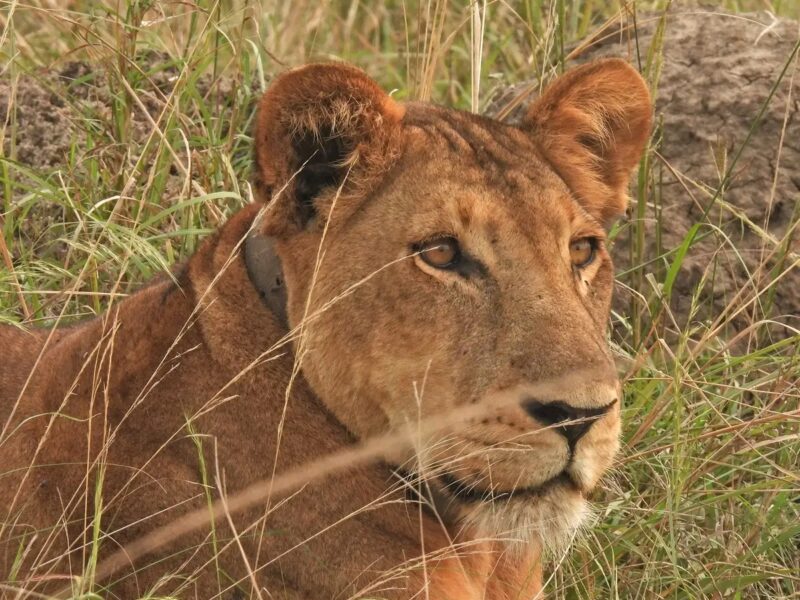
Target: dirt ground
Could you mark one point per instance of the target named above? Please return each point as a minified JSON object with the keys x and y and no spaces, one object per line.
{"x":48,"y":104}
{"x":717,"y":73}
{"x":47,"y":138}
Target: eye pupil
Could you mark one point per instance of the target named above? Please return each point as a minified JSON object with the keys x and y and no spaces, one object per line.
{"x":582,"y":252}
{"x":440,"y":253}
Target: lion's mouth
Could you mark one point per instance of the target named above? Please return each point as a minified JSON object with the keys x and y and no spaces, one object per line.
{"x":550,"y":511}
{"x":471,"y":494}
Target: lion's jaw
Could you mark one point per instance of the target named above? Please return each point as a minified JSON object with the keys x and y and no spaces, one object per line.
{"x":550,"y":521}
{"x":549,"y":515}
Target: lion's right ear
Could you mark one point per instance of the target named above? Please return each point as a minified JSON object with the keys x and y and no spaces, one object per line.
{"x":319,"y":128}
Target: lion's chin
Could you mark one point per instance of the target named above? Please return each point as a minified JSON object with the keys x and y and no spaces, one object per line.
{"x":549,"y":516}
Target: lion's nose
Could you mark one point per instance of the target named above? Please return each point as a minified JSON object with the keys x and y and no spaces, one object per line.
{"x":572,"y":422}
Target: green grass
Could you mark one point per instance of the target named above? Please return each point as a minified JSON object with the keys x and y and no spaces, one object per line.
{"x":155,"y":139}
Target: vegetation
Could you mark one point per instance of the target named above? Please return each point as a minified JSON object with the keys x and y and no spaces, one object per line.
{"x":149,"y":150}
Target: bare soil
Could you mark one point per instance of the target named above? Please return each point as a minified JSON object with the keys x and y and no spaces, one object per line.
{"x":62,"y":125}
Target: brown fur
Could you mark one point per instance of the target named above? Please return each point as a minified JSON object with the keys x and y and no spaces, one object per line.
{"x":120,"y":410}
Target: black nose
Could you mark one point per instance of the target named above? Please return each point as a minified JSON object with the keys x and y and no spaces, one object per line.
{"x":574,"y":422}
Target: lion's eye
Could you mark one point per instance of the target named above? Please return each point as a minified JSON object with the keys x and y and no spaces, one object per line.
{"x":441,"y":253}
{"x":582,"y":251}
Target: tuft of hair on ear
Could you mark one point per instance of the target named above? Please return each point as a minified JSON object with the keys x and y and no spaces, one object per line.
{"x":317,"y":125}
{"x":592,"y":124}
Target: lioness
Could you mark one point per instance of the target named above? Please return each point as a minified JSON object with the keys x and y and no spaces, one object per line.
{"x":427,"y":262}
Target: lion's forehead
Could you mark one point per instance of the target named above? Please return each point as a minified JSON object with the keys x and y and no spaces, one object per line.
{"x":477,"y":153}
{"x":497,"y":152}
{"x":477,"y":174}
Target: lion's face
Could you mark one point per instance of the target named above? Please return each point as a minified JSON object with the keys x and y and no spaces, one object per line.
{"x":455,"y":266}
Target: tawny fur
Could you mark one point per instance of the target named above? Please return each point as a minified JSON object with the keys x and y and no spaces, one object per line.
{"x":169,"y":397}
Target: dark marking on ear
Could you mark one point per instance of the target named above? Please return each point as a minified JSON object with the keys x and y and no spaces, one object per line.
{"x":593,"y":144}
{"x":324,"y":168}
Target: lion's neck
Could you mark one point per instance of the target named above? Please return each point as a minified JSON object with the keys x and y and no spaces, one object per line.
{"x":516,"y":573}
{"x":239,"y":327}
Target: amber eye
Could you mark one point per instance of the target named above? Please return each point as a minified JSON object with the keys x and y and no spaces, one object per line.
{"x":582,"y":251}
{"x":441,"y":253}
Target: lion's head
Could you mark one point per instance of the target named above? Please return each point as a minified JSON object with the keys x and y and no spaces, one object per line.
{"x":448,"y":261}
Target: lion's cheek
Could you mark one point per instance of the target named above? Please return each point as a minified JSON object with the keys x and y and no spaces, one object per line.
{"x":340,"y":376}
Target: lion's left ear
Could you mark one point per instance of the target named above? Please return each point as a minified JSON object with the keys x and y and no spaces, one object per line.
{"x":592,"y":124}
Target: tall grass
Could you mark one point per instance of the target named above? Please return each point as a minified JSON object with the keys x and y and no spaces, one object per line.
{"x":153,"y":140}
